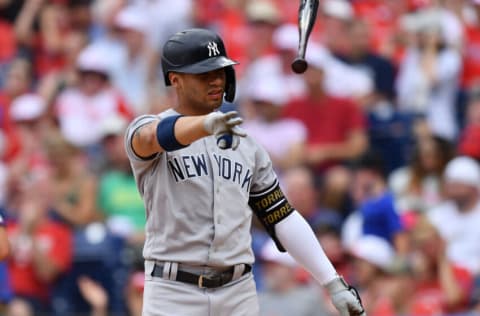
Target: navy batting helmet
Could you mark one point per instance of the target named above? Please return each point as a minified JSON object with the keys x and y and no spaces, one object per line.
{"x":196,"y":51}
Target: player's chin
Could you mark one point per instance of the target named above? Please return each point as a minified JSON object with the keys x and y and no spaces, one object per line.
{"x":214,"y":102}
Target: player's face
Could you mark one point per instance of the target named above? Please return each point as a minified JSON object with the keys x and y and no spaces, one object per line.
{"x":202,"y":93}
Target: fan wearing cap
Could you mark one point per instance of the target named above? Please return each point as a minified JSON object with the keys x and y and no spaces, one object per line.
{"x":457,"y":219}
{"x":131,"y":73}
{"x":82,"y":109}
{"x":268,"y":96}
{"x":32,"y":125}
{"x":373,"y":258}
{"x":202,"y":178}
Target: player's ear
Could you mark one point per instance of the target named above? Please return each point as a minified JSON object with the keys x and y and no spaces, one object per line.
{"x":174,"y":78}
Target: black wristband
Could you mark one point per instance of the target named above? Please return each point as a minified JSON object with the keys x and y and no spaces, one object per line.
{"x":166,"y":134}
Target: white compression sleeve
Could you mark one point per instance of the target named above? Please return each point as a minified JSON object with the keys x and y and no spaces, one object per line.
{"x":299,"y":240}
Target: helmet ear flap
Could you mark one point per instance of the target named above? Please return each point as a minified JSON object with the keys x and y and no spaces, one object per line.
{"x":231,"y":84}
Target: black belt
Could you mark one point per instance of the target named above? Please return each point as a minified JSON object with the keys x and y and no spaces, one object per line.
{"x":203,"y":281}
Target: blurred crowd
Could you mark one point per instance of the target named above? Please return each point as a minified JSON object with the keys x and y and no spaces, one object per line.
{"x":377,"y":144}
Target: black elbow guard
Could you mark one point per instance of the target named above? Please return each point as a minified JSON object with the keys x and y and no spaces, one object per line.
{"x":271,"y":207}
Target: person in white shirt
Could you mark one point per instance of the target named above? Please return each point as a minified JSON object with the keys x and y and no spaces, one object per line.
{"x":458,"y":218}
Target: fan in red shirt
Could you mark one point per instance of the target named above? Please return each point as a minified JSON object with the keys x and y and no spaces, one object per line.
{"x":335,"y":134}
{"x":382,"y":17}
{"x":471,"y":51}
{"x":335,"y":127}
{"x":41,"y":247}
{"x":441,"y":286}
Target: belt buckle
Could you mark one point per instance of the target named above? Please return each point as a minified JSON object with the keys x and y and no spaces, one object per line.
{"x":200,"y":281}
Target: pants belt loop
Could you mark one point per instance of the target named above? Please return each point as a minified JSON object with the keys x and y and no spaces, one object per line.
{"x":166,"y":270}
{"x":173,"y":271}
{"x":238,"y":271}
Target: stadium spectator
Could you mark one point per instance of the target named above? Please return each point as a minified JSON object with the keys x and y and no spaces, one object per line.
{"x":18,"y":307}
{"x":373,"y":257}
{"x":53,"y":83}
{"x":40,"y":29}
{"x":82,"y":109}
{"x":328,"y":232}
{"x":335,"y":127}
{"x":375,"y":207}
{"x":41,"y":249}
{"x":469,"y":142}
{"x":95,"y":295}
{"x":131,"y":74}
{"x":276,"y":66}
{"x":360,"y":54}
{"x":418,"y":186}
{"x":73,"y":186}
{"x":117,"y":195}
{"x":4,"y":245}
{"x":389,"y":130}
{"x":429,"y":74}
{"x":268,"y":98}
{"x":283,"y":295}
{"x":382,"y":18}
{"x":471,"y":49}
{"x":31,"y":123}
{"x":135,"y":291}
{"x":300,"y":187}
{"x":441,"y":286}
{"x":16,"y":82}
{"x":457,"y":219}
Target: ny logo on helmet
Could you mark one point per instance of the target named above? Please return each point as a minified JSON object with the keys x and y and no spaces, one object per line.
{"x":213,"y":49}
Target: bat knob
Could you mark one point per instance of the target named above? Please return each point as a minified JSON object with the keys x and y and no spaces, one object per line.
{"x":299,"y":65}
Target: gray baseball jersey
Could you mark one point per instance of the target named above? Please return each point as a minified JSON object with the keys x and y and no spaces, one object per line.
{"x":196,"y":198}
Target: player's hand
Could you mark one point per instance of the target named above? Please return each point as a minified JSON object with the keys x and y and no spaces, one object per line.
{"x":345,"y":298}
{"x":225,"y":127}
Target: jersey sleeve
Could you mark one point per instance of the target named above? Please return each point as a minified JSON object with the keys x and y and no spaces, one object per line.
{"x":2,"y":222}
{"x":134,"y":125}
{"x":264,"y":176}
{"x":266,"y":199}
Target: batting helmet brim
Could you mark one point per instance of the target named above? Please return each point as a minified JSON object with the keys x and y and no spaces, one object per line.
{"x":203,"y":66}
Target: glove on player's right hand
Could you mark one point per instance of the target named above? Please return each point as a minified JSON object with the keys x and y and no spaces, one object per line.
{"x":345,"y":298}
{"x":225,"y":128}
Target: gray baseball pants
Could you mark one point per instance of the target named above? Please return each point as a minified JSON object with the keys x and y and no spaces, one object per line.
{"x":164,"y":297}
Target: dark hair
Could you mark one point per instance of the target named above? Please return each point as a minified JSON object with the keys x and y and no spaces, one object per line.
{"x":445,"y":151}
{"x":371,"y":161}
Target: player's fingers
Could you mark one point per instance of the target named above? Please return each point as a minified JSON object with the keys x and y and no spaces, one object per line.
{"x":230,"y":115}
{"x":236,"y":130}
{"x":235,"y":142}
{"x":234,"y":121}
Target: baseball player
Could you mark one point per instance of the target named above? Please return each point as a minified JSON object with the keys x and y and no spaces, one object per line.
{"x":202,"y":178}
{"x":4,"y":244}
